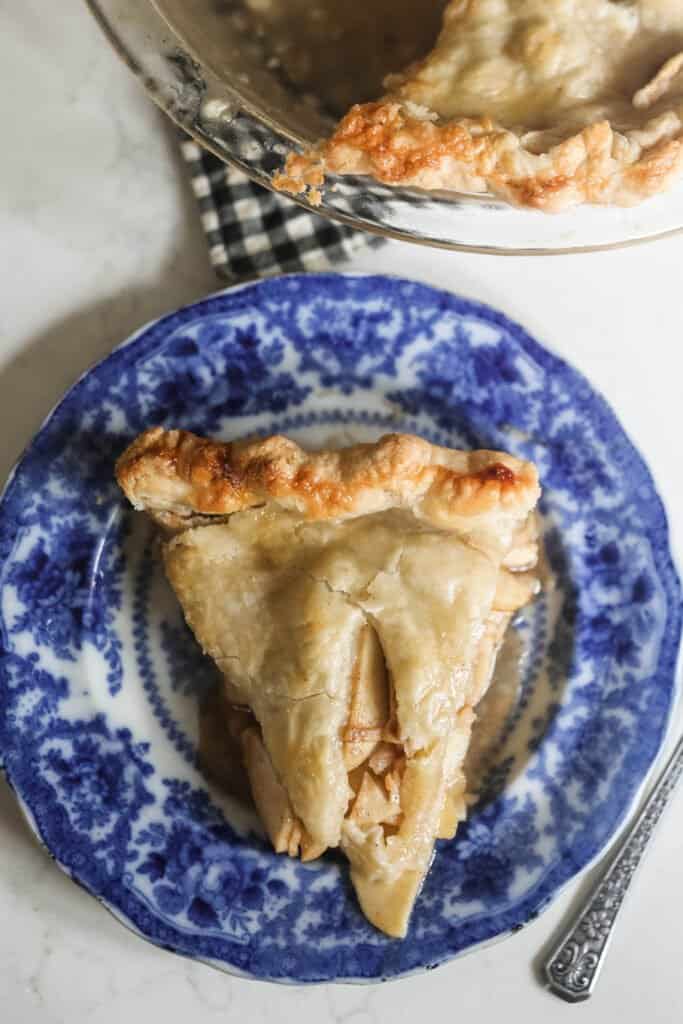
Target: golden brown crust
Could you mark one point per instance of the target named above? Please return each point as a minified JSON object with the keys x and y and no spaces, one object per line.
{"x":389,"y":143}
{"x":176,"y":475}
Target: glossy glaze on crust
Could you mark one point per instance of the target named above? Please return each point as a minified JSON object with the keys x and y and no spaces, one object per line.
{"x":547,"y":103}
{"x":175,"y":475}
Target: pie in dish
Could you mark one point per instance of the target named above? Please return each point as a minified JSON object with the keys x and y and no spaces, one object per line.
{"x":546,"y":103}
{"x":354,"y":602}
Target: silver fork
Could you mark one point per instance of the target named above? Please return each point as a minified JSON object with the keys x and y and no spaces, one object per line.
{"x":572,"y":970}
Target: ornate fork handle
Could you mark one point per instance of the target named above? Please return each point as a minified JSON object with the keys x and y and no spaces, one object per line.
{"x":573,"y":969}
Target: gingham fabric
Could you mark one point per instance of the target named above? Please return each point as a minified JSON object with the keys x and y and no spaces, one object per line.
{"x":253,"y":232}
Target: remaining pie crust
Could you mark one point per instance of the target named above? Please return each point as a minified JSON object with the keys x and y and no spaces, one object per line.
{"x":547,"y":103}
{"x":354,"y":601}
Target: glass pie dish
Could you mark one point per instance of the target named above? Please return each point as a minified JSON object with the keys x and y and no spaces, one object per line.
{"x":214,"y":73}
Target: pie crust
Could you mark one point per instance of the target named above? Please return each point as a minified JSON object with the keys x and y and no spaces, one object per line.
{"x":546,"y":103}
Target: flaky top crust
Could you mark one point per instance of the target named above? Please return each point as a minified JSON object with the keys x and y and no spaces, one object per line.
{"x":176,"y":476}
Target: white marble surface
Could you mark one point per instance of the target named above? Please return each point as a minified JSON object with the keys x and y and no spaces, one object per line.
{"x":98,"y":234}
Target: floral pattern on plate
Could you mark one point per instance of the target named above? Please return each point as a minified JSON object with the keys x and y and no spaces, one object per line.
{"x":100,"y":679}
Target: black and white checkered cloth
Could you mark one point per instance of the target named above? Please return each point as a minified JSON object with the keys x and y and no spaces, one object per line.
{"x":253,"y":232}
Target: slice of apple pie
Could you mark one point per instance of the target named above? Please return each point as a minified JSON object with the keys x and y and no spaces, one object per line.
{"x":354,"y":601}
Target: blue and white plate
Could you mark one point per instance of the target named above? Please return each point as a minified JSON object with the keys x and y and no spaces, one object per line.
{"x":100,"y":679}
